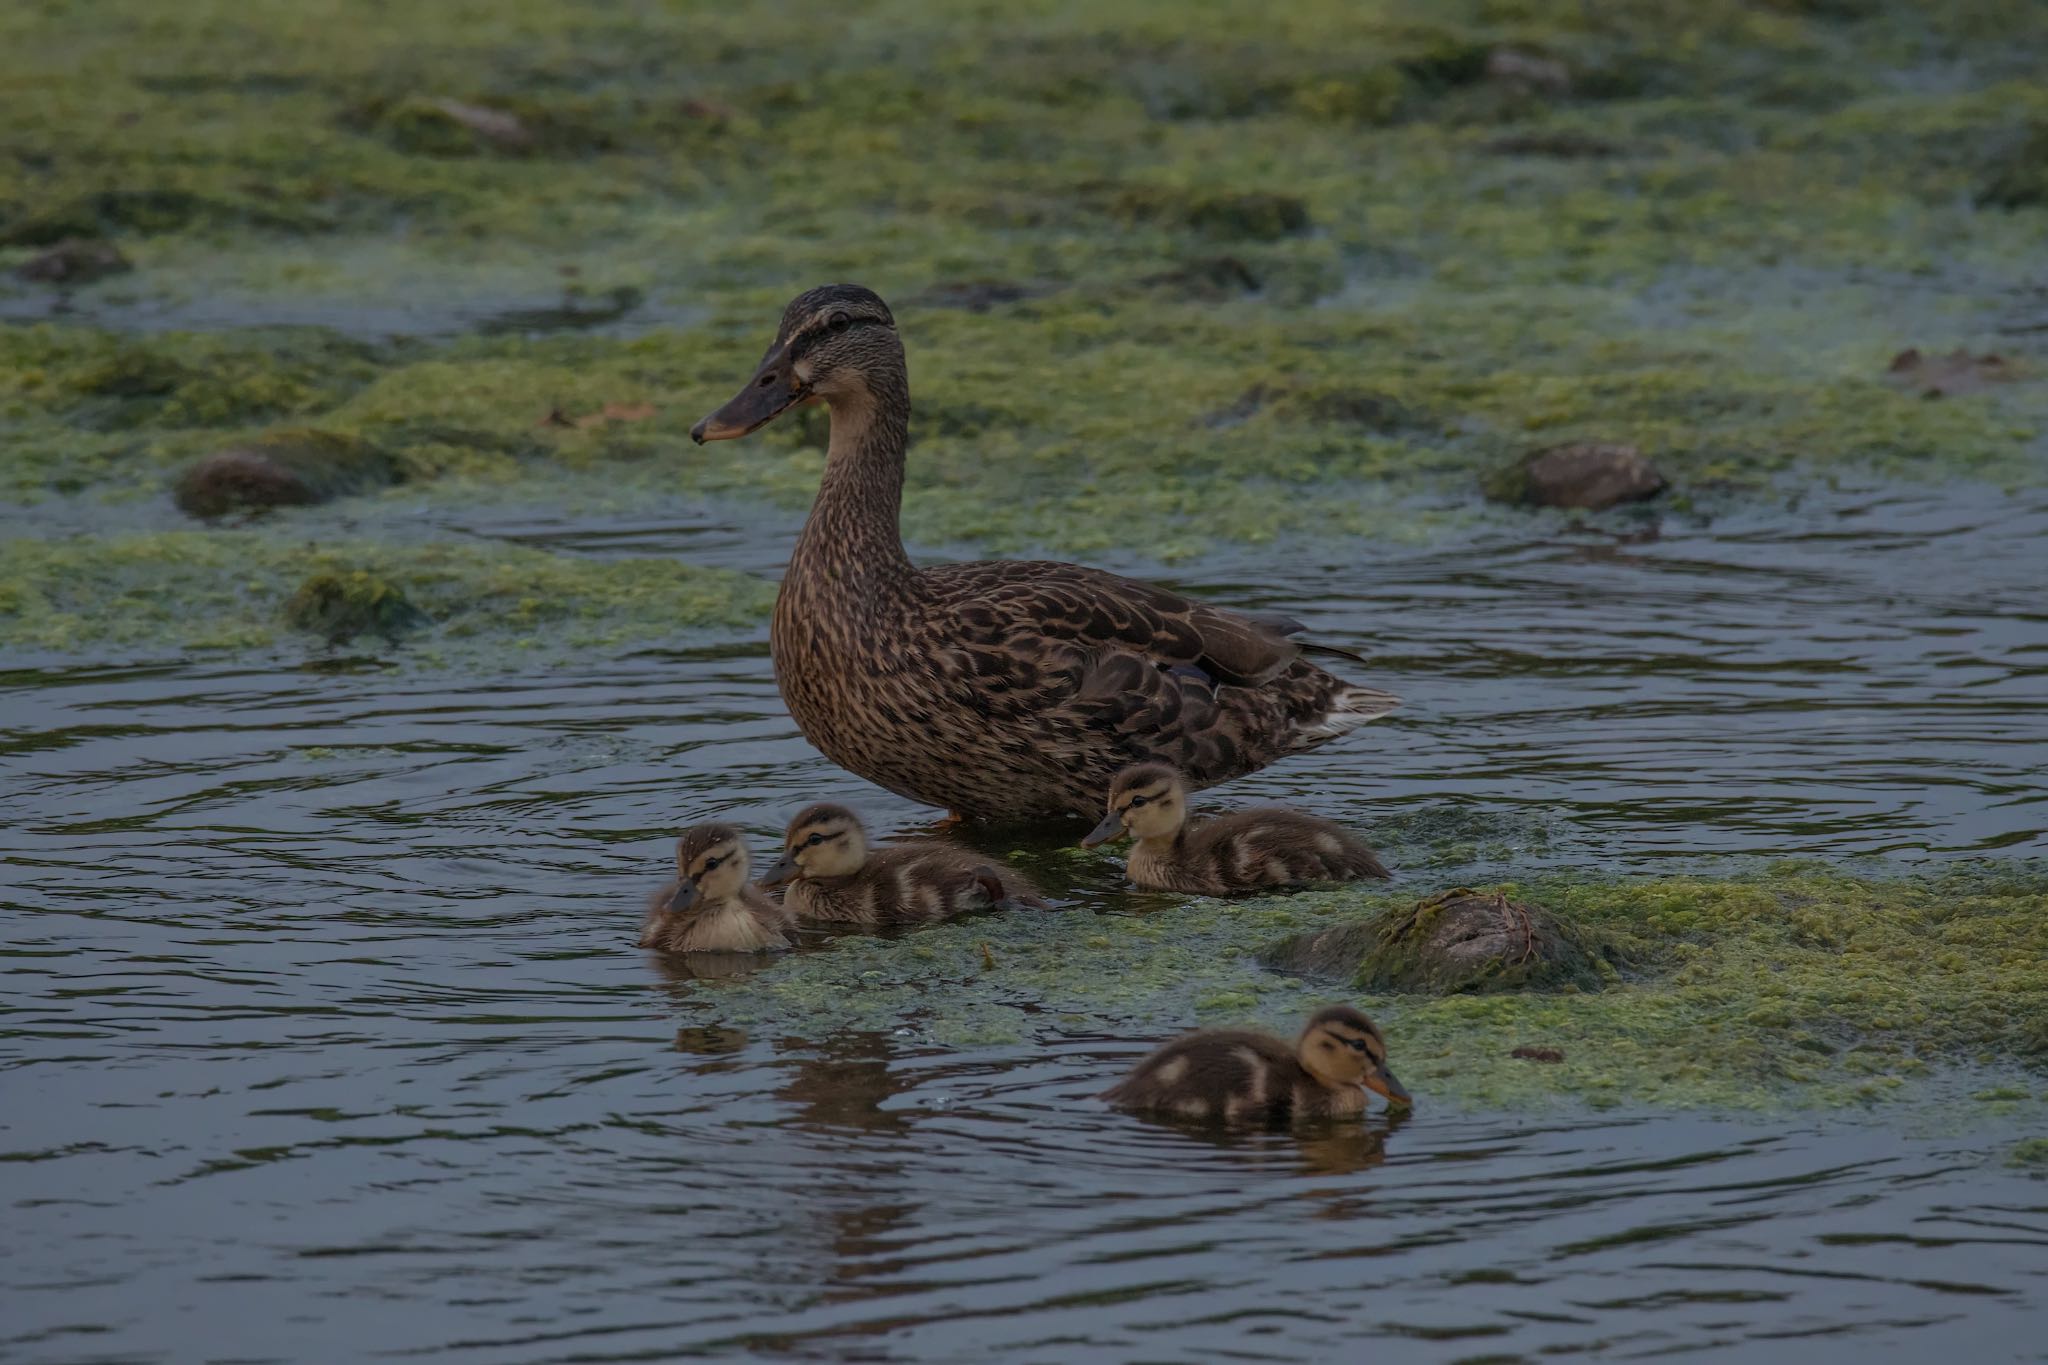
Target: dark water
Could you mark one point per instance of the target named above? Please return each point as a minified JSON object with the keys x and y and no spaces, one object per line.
{"x":324,"y":1041}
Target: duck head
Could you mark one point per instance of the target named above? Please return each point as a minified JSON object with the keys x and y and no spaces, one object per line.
{"x":1342,"y":1048}
{"x":823,"y":841}
{"x":711,"y":867}
{"x":837,"y":343}
{"x":1147,"y":801}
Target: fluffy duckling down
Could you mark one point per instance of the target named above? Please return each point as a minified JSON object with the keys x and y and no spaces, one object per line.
{"x":1249,"y":850}
{"x":710,"y":907}
{"x":835,"y":876}
{"x":1241,"y":1076}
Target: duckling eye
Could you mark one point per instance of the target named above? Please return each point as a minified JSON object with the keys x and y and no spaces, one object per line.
{"x":1137,"y":801}
{"x":710,"y":863}
{"x":815,"y":840}
{"x":839,"y":322}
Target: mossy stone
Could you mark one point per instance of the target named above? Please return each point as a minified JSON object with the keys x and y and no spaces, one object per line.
{"x":74,"y":261}
{"x":283,"y":469}
{"x":1459,"y":941}
{"x":339,"y":606}
{"x":1588,"y":475}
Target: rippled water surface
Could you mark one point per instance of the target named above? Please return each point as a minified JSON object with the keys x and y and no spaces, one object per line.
{"x":324,"y":1038}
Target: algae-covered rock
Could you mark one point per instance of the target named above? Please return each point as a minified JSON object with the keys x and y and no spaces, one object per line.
{"x":1457,"y":941}
{"x":1584,"y":474}
{"x":340,"y":605}
{"x":283,"y":469}
{"x":74,"y":260}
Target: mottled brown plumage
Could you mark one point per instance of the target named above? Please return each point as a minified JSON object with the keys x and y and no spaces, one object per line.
{"x":709,"y":907}
{"x":834,"y":876}
{"x":1238,"y":1076}
{"x":1008,"y":689}
{"x":1249,"y":850}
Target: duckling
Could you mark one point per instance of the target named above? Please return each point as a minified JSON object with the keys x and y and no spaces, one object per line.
{"x":1248,"y":850}
{"x":709,"y":907}
{"x":833,"y":875}
{"x":1234,"y":1075}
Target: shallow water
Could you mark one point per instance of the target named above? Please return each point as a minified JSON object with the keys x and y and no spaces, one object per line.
{"x":324,"y":1038}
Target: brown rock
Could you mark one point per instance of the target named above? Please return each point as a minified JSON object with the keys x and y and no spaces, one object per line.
{"x":282,"y":469}
{"x":75,"y":260}
{"x":1582,"y":474}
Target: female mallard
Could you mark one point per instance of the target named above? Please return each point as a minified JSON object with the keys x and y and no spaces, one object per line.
{"x":1247,"y":850}
{"x":1002,"y":690}
{"x":1233,"y":1075}
{"x":832,"y":875}
{"x":709,"y":908}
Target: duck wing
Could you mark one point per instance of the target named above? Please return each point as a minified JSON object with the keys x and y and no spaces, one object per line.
{"x":998,"y":604}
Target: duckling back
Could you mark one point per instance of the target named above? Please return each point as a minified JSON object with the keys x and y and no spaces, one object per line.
{"x":1227,"y":1076}
{"x":913,"y":883}
{"x":1256,"y":850}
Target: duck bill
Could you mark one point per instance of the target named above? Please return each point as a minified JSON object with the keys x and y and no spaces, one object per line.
{"x":774,"y":390}
{"x":1112,"y":826}
{"x":782,"y":874}
{"x":684,"y":899}
{"x":1383,"y":1083}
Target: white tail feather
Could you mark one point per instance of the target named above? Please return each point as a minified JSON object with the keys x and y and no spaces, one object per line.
{"x":1353,"y":707}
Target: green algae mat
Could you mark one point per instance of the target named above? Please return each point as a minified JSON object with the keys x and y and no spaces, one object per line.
{"x":1174,"y":280}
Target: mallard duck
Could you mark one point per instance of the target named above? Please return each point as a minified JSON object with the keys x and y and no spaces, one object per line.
{"x":709,"y":907}
{"x":1247,"y":850}
{"x":1009,"y":689}
{"x":1236,"y":1075}
{"x":833,"y":875}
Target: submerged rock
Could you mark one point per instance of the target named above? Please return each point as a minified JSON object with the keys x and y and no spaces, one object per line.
{"x":1454,"y":942}
{"x":282,"y":469}
{"x":1584,"y":474}
{"x":75,"y":260}
{"x":339,"y":606}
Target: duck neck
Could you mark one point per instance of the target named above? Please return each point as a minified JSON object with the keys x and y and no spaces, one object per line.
{"x":855,"y":523}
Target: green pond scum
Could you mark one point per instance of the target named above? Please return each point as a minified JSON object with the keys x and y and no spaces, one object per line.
{"x":469,"y":604}
{"x":1170,"y":276}
{"x":1790,"y":987}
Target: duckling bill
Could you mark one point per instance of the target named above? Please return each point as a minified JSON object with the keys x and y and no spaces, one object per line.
{"x":1241,"y":1076}
{"x":834,"y":876}
{"x":1251,"y":850}
{"x":709,"y":907}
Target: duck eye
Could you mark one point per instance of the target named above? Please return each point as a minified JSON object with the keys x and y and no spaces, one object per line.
{"x":815,"y":840}
{"x":1137,"y":801}
{"x":839,"y":322}
{"x":710,"y":863}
